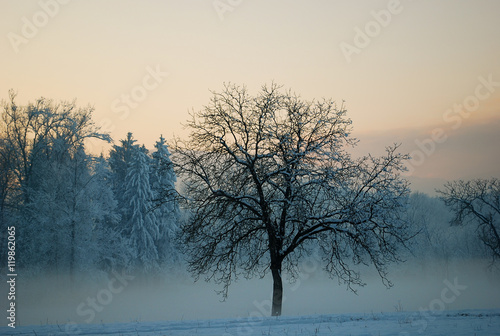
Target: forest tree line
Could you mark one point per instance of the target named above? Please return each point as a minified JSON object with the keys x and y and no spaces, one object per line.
{"x":75,"y":211}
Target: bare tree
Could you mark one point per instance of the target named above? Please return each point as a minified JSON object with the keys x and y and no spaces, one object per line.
{"x":477,"y":202}
{"x":42,"y":154}
{"x":268,"y":179}
{"x":28,"y":131}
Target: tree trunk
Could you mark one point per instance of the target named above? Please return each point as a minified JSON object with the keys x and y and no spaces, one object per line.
{"x":277,"y":291}
{"x":72,"y":253}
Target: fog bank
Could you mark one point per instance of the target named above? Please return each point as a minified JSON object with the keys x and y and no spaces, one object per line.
{"x":448,"y":285}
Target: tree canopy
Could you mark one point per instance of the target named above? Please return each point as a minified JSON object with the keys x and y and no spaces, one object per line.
{"x":477,"y":202}
{"x":268,"y":178}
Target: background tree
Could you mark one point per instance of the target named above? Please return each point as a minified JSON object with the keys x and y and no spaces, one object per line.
{"x":267,"y":178}
{"x":28,"y":131}
{"x":75,"y":212}
{"x":50,"y":191}
{"x":166,"y":207}
{"x":120,"y":159}
{"x":439,"y":242}
{"x":142,"y":221}
{"x":140,"y":180}
{"x":477,"y":202}
{"x":110,"y":247}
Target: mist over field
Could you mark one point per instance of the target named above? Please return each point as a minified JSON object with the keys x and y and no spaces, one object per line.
{"x":49,"y":300}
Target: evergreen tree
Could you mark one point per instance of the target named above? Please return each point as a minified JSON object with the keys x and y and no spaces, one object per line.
{"x":167,"y":211}
{"x":111,"y":245}
{"x":142,"y":221}
{"x":120,"y":158}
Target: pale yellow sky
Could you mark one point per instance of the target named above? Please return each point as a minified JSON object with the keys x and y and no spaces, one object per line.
{"x":399,"y":65}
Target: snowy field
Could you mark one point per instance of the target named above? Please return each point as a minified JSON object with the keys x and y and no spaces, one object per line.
{"x":464,"y":322}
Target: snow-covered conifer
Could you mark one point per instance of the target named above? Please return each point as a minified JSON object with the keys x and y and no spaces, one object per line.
{"x":167,"y":210}
{"x":141,"y":220}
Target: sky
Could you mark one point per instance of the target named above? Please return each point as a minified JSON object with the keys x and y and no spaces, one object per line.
{"x":423,"y":73}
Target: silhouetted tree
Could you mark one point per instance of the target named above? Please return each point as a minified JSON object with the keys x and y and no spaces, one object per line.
{"x":477,"y":202}
{"x":268,"y":177}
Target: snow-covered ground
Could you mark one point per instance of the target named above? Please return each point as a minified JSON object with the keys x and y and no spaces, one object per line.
{"x":464,"y":322}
